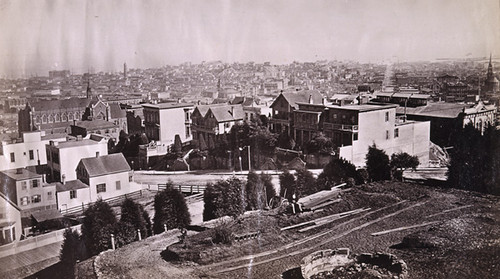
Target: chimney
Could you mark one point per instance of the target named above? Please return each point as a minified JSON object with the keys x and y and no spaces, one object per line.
{"x":323,"y":101}
{"x":310,"y":99}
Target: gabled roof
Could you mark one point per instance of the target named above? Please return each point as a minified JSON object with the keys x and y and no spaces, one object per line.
{"x":301,"y":97}
{"x":106,"y":164}
{"x":227,"y":113}
{"x":44,"y":215}
{"x":61,"y":104}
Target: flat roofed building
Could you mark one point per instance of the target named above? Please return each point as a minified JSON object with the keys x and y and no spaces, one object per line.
{"x":63,"y":157}
{"x":166,"y":120}
{"x":28,"y":151}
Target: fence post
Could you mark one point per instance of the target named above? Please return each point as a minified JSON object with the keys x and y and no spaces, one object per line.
{"x":83,"y":207}
{"x":191,"y":189}
{"x":113,"y":241}
{"x":139,"y":234}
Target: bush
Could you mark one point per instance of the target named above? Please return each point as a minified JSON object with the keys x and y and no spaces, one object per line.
{"x":404,"y":161}
{"x":377,"y":164}
{"x":338,"y":171}
{"x":72,"y":250}
{"x":287,"y":185}
{"x":223,"y":233}
{"x":98,"y":224}
{"x":170,"y":209}
{"x":254,"y":191}
{"x":268,"y":186}
{"x":305,"y":183}
{"x":225,"y":197}
{"x":134,"y":214}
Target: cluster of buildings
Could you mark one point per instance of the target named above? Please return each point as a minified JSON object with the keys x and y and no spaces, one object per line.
{"x":44,"y":175}
{"x":62,"y":157}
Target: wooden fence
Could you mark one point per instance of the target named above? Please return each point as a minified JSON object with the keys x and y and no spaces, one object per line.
{"x":77,"y":210}
{"x":187,"y":189}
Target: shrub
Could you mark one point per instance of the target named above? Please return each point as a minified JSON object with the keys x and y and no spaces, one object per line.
{"x":98,"y":224}
{"x":377,"y":164}
{"x":170,"y":209}
{"x":305,"y":183}
{"x":287,"y":184}
{"x":338,"y":171}
{"x":223,"y":233}
{"x":134,"y":214}
{"x":225,"y":197}
{"x":72,"y":250}
{"x":268,"y":186}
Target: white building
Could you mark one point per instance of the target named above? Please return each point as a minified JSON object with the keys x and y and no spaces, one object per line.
{"x":354,"y":128}
{"x":30,"y":151}
{"x":63,"y":157}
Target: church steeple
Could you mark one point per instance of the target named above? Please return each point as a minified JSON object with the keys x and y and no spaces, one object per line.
{"x":89,"y":91}
{"x":490,"y":68}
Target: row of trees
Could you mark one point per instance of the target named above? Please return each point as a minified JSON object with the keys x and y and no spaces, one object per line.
{"x":100,"y":222}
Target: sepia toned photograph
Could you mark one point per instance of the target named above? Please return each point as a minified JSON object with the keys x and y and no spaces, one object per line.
{"x":293,"y":139}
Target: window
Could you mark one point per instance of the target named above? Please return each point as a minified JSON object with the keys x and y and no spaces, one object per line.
{"x":386,"y":116}
{"x":355,"y":136}
{"x":226,"y":125}
{"x":34,"y":183}
{"x":188,"y":131}
{"x":72,"y":194}
{"x":24,"y":185}
{"x":387,"y":136}
{"x":187,"y":116}
{"x":25,"y":200}
{"x":32,"y":155}
{"x":50,"y":196}
{"x":12,"y":157}
{"x":118,"y":185}
{"x":101,"y":188}
{"x":396,"y":133}
{"x":130,"y":178}
{"x":36,"y":199}
{"x":97,"y":154}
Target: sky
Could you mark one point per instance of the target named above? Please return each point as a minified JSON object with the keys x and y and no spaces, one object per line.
{"x":38,"y":36}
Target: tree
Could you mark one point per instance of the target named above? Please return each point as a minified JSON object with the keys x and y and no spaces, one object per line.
{"x":255,"y":192}
{"x":170,"y":209}
{"x":305,"y":183}
{"x":287,"y":184}
{"x":225,"y":197}
{"x":72,"y":250}
{"x":285,"y":141}
{"x":268,"y":186}
{"x":401,"y":161}
{"x":475,"y":160}
{"x":134,"y":214}
{"x":337,"y":171}
{"x":377,"y":164}
{"x":319,"y":143}
{"x":98,"y":224}
{"x":177,"y":144}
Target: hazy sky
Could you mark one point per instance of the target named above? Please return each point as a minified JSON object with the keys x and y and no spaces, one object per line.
{"x":37,"y":36}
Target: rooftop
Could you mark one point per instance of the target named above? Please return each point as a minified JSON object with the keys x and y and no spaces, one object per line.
{"x":75,"y":143}
{"x":21,"y":174}
{"x":228,"y":113}
{"x":167,"y":105}
{"x":106,"y":164}
{"x":365,"y":107}
{"x":95,"y":124}
{"x":70,"y":185}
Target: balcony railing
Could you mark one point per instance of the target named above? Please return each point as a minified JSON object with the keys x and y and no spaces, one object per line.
{"x":342,"y":127}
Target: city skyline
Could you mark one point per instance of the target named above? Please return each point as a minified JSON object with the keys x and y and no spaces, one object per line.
{"x":36,"y":37}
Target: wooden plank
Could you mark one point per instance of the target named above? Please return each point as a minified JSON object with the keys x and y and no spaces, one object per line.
{"x":325,"y":204}
{"x":449,"y":210}
{"x":405,"y":228}
{"x":333,"y":218}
